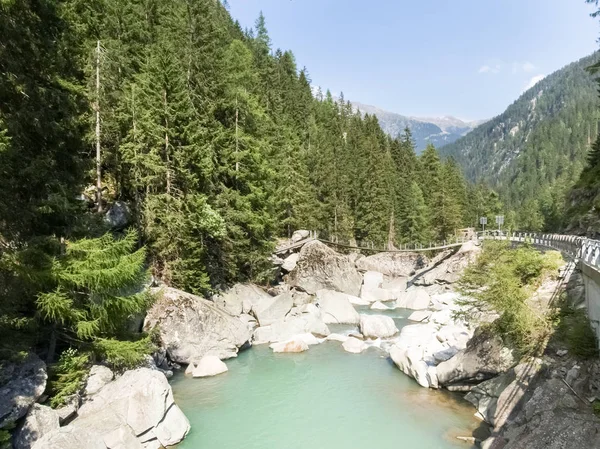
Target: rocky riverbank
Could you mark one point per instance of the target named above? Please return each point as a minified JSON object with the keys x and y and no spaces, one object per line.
{"x":320,"y":288}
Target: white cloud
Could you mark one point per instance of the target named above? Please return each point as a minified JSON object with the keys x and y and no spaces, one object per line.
{"x":528,"y":67}
{"x":490,"y":69}
{"x":533,"y":81}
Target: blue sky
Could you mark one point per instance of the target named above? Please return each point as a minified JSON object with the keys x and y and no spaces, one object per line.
{"x":467,"y":58}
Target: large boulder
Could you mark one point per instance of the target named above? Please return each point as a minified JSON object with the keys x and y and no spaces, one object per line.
{"x":410,"y":362}
{"x":40,"y":420}
{"x":21,"y":386}
{"x":320,"y":267}
{"x":393,"y":264}
{"x":449,"y":270}
{"x":191,"y":327}
{"x":484,"y":357}
{"x":99,"y":376}
{"x":241,"y":298}
{"x":414,"y":299}
{"x":118,"y":216}
{"x":274,"y":309}
{"x":377,"y":326}
{"x":336,"y":308}
{"x":209,"y":366}
{"x":306,"y":319}
{"x":354,"y":345}
{"x":137,"y":410}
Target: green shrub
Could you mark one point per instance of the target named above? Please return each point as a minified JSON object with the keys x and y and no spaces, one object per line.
{"x":122,"y":355}
{"x":501,"y":280}
{"x":68,"y":376}
{"x":575,"y":331}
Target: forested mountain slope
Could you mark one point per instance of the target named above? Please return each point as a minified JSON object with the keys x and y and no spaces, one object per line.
{"x":435,"y":131}
{"x":534,"y":152}
{"x":211,"y":137}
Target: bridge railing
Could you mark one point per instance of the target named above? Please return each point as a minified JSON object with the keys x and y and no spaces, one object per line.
{"x":584,"y":249}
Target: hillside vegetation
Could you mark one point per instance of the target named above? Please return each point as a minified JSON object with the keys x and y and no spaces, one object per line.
{"x":535,"y":151}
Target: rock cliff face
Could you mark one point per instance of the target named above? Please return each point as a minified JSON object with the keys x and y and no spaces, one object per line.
{"x":191,"y":327}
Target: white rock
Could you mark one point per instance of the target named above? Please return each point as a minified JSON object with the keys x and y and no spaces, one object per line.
{"x":354,"y":345}
{"x":262,"y":335}
{"x":372,"y":280}
{"x":209,"y":366}
{"x":241,"y":298}
{"x":99,"y":376}
{"x":336,"y":308}
{"x":415,"y":299}
{"x":410,"y":362}
{"x":396,"y":285}
{"x":379,"y":306}
{"x":290,"y":262}
{"x":297,"y":345}
{"x":273,"y":309}
{"x":377,"y":326}
{"x":300,"y":234}
{"x":420,"y":315}
{"x":355,"y":300}
{"x":377,"y":294}
{"x":337,"y":337}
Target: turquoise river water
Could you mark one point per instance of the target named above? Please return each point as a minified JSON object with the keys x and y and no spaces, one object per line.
{"x":324,"y":398}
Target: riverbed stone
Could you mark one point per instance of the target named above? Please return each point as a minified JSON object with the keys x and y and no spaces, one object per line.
{"x":377,"y":326}
{"x":209,"y":366}
{"x":414,"y":299}
{"x":372,"y":280}
{"x":320,"y":267}
{"x":22,"y":385}
{"x":420,"y":315}
{"x":354,"y":345}
{"x":274,"y":309}
{"x":379,"y":306}
{"x":336,"y":308}
{"x":299,"y":235}
{"x":191,"y":327}
{"x":449,"y":270}
{"x":293,"y":345}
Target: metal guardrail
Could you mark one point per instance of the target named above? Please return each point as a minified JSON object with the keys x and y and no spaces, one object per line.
{"x":585,"y":250}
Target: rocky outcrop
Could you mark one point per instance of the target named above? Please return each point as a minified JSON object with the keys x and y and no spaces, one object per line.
{"x":320,"y":267}
{"x":208,"y":366}
{"x":497,"y":398}
{"x":554,"y":418}
{"x":448,"y":270}
{"x":136,"y":410}
{"x":273,"y":309}
{"x":484,"y":357}
{"x":393,"y":264}
{"x":22,"y":385}
{"x":40,"y":420}
{"x":191,"y":327}
{"x":241,"y":299}
{"x":299,"y":235}
{"x":377,"y":326}
{"x":336,"y":308}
